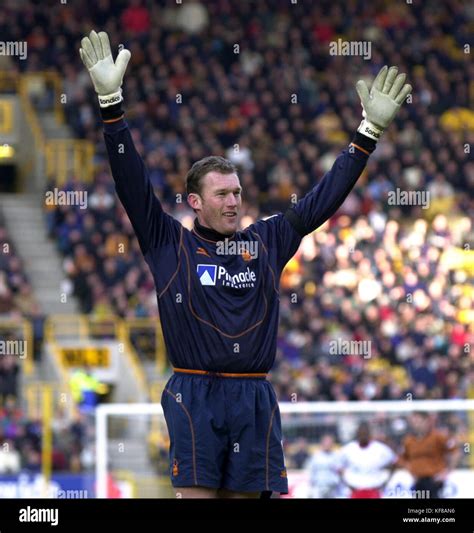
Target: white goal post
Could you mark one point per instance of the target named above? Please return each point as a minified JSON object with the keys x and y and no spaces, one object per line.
{"x":105,"y":411}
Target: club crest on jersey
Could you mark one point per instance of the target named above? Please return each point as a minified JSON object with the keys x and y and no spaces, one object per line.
{"x":202,"y":251}
{"x":207,"y":274}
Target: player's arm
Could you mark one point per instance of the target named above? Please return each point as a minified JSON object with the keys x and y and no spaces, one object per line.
{"x":392,"y":464}
{"x":380,"y":106}
{"x":452,"y":455}
{"x":151,"y":224}
{"x":404,"y":454}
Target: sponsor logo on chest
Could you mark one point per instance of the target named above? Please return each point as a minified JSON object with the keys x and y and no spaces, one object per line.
{"x":216,"y":275}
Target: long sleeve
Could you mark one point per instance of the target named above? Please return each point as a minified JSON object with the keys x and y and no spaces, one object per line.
{"x":152,"y":225}
{"x":329,"y":194}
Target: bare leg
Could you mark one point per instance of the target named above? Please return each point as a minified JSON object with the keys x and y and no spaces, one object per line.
{"x":195,"y":492}
{"x":224,"y":493}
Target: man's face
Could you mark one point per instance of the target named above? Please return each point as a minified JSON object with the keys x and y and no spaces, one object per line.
{"x":218,"y":205}
{"x":420,"y":424}
{"x":363,"y":435}
{"x":327,"y":442}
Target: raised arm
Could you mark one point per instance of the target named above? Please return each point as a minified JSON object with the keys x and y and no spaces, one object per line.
{"x":152,"y":225}
{"x":380,"y":106}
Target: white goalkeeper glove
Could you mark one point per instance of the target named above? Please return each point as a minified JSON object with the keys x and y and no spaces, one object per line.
{"x":380,"y":106}
{"x":106,"y":75}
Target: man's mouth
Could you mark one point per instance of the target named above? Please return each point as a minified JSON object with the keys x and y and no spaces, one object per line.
{"x":230,"y":214}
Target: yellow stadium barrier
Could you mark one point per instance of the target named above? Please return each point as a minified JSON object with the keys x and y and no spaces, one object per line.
{"x":85,"y":328}
{"x":153,"y":325}
{"x":33,"y":394}
{"x":6,"y":116}
{"x":66,"y":156}
{"x":63,"y":157}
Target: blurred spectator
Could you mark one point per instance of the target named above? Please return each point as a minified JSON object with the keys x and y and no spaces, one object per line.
{"x":366,"y":464}
{"x":9,"y":370}
{"x":395,"y":275}
{"x":322,"y":470}
{"x":10,"y":459}
{"x":429,"y":455}
{"x":86,"y":389}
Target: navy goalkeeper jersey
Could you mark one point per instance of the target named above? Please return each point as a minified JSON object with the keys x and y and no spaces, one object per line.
{"x":219,"y":312}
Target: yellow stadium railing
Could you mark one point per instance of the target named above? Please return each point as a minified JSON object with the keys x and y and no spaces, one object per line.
{"x":59,"y":326}
{"x":152,"y":325}
{"x":66,"y":156}
{"x":132,"y":356}
{"x":34,"y":393}
{"x":87,"y":327}
{"x":44,"y":403}
{"x":8,"y":81}
{"x":18,"y":330}
{"x":47,"y":436}
{"x":41,"y":80}
{"x":6,"y":116}
{"x":62,"y":156}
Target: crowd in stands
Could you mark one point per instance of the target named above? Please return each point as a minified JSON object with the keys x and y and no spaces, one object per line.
{"x":21,"y":442}
{"x":16,"y":294}
{"x":256,"y":83}
{"x":396,"y":275}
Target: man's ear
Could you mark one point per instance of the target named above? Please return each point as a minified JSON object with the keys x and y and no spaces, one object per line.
{"x":194,"y":201}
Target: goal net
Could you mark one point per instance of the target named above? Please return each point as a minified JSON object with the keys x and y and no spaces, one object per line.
{"x":132,"y":444}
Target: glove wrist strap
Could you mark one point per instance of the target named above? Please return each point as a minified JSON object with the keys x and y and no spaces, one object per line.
{"x":110,"y":99}
{"x":370,"y":130}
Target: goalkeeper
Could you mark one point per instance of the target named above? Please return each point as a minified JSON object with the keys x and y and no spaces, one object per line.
{"x":219,"y":311}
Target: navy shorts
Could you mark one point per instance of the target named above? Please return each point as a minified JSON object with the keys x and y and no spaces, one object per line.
{"x":225,"y":432}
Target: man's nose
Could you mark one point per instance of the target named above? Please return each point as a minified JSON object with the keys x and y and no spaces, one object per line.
{"x":231,"y":200}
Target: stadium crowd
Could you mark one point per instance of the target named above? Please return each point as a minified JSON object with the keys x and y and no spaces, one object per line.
{"x":21,"y":442}
{"x":394,"y":273}
{"x":255,"y":81}
{"x":16,"y":294}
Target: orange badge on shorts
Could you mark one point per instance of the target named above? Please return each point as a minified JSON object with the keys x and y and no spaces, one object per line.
{"x":175,"y":467}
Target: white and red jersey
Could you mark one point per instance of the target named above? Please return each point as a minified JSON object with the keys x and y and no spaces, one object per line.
{"x":366,"y":467}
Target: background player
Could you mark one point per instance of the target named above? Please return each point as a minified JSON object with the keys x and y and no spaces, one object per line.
{"x":366,"y":464}
{"x":429,"y":455}
{"x":322,"y":470}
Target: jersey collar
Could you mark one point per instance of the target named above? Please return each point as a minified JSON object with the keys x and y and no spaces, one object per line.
{"x":209,"y":234}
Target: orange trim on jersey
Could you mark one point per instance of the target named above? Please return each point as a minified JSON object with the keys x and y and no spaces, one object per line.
{"x":113,"y":120}
{"x":178,"y":267}
{"x":269,"y":265}
{"x":361,"y":149}
{"x":219,"y":374}
{"x":202,"y":251}
{"x":191,"y":427}
{"x":267,"y":452}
